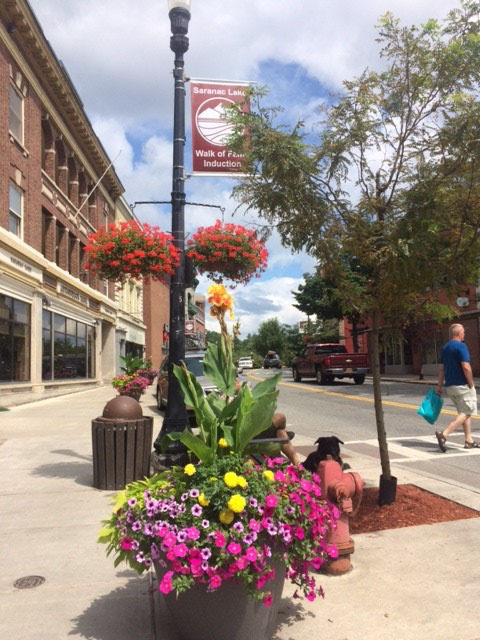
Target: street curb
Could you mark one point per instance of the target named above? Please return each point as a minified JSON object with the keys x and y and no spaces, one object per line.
{"x":432,"y":383}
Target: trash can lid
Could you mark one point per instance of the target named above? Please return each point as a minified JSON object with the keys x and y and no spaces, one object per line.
{"x":123,"y":407}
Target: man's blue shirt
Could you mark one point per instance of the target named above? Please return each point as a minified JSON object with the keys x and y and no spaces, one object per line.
{"x":453,"y":354}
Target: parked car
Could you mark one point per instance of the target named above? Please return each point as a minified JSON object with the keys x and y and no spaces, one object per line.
{"x":194,"y":363}
{"x":325,"y":362}
{"x":245,"y":363}
{"x":271,"y":361}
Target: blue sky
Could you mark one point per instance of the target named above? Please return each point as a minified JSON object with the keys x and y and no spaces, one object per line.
{"x":117,"y":54}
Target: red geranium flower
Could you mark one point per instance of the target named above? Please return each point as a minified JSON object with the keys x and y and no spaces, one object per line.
{"x":228,"y":251}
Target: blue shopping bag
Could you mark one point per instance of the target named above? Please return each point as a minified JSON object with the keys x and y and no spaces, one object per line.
{"x":430,"y":407}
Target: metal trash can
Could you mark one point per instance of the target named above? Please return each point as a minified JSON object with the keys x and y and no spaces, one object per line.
{"x":121,"y":443}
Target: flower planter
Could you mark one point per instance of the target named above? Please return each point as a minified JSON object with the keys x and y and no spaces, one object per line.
{"x":229,"y":612}
{"x":136,"y":395}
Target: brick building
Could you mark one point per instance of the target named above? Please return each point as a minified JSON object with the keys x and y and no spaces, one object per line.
{"x":57,"y":185}
{"x":417,"y":348}
{"x":156,"y":316}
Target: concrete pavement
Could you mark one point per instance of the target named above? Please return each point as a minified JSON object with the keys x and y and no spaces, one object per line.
{"x":411,"y":583}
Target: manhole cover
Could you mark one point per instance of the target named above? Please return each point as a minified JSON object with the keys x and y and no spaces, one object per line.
{"x":29,"y":582}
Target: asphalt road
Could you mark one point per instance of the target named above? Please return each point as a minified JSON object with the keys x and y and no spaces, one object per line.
{"x":346,"y":410}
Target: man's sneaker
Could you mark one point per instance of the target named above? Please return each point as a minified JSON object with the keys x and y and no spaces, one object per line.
{"x":441,"y":441}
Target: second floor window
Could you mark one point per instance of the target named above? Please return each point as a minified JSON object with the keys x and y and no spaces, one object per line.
{"x":15,"y":123}
{"x":15,"y":210}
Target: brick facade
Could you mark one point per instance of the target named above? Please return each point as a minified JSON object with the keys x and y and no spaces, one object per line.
{"x":156,"y":315}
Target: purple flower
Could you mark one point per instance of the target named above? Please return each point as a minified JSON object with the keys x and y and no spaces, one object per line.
{"x":196,"y":510}
{"x":206,"y":553}
{"x":204,"y":565}
{"x":248,"y":539}
{"x":137,"y":525}
{"x":194,"y":493}
{"x":238,"y":526}
{"x":154,"y":552}
{"x":205,"y":524}
{"x":148,"y":562}
{"x":272,"y":530}
{"x":140,"y":557}
{"x":181,"y":536}
{"x":253,"y":502}
{"x":260,"y":509}
{"x":132,"y":502}
{"x":184,"y":497}
{"x":290,"y":510}
{"x":148,"y":529}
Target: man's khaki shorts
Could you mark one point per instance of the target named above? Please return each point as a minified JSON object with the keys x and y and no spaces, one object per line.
{"x":464,"y":398}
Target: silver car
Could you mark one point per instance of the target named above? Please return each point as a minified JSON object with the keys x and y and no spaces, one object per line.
{"x":194,"y":363}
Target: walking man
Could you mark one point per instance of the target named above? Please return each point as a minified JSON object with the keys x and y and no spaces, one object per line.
{"x":456,"y":372}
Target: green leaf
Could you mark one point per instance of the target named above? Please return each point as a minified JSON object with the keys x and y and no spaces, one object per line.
{"x":189,"y":390}
{"x":266,"y":386}
{"x":194,"y":444}
{"x":220,"y":373}
{"x":227,"y":431}
{"x":105,"y":535}
{"x":216,"y":402}
{"x":258,"y":419}
{"x":120,"y":500}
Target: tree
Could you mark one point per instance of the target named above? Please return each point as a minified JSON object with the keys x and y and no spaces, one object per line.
{"x":271,"y":336}
{"x":393,"y":179}
{"x":319,"y":297}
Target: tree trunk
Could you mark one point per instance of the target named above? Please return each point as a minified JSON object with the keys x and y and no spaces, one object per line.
{"x":377,"y":394}
{"x":355,"y":337}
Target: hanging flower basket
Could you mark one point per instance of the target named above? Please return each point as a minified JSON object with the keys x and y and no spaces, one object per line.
{"x":131,"y":251}
{"x":228,"y":251}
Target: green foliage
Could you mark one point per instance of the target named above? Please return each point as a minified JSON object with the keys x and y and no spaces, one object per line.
{"x":132,"y":364}
{"x":235,"y":415}
{"x":271,"y":336}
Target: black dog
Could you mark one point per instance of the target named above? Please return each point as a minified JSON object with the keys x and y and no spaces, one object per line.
{"x":327,"y":446}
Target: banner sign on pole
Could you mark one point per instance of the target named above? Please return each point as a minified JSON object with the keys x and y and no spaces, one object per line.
{"x":210,"y":129}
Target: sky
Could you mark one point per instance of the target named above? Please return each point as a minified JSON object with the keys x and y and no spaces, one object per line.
{"x":117,"y":53}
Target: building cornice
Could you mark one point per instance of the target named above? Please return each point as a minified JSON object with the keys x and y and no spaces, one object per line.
{"x":25,"y":34}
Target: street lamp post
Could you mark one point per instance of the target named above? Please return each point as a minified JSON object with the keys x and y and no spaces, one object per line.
{"x":176,"y":418}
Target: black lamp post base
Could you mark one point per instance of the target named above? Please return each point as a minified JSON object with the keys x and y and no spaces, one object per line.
{"x":163,"y":461}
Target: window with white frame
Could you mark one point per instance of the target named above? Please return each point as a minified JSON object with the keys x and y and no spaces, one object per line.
{"x":15,"y":210}
{"x":15,"y":123}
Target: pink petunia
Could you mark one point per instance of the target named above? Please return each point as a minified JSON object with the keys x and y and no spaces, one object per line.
{"x":251,"y":554}
{"x":193,"y":533}
{"x":180,"y":550}
{"x":169,"y":540}
{"x":311,"y":596}
{"x":220,"y":540}
{"x":126,"y":544}
{"x":271,"y":501}
{"x":254,"y":525}
{"x":267,"y":601}
{"x":279,"y":476}
{"x":166,"y":585}
{"x":317,"y":562}
{"x":299,"y":533}
{"x":215,"y":581}
{"x":234,"y":548}
{"x":332,"y":551}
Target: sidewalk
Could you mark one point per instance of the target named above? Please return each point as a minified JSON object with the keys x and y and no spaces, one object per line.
{"x":411,"y":378}
{"x":417,"y":582}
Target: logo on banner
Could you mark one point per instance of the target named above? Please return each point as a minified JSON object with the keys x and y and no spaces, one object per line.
{"x":211,"y":129}
{"x":212,"y":122}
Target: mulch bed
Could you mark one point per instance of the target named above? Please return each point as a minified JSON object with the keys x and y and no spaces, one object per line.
{"x":413,"y":506}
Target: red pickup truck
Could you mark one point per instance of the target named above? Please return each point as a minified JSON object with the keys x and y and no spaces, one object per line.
{"x":325,"y":362}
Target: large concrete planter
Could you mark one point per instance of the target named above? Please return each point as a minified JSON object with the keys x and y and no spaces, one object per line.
{"x":228,"y":613}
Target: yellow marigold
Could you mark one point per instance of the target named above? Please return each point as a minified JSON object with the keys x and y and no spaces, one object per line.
{"x":230,"y":479}
{"x":226,"y":516}
{"x":269,"y":475}
{"x":189,"y":470}
{"x":203,"y":500}
{"x":237,"y":503}
{"x":241,"y":482}
{"x":222,"y":443}
{"x":213,"y":479}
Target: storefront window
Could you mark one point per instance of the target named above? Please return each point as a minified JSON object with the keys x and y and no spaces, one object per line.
{"x":14,"y":340}
{"x":70,"y":356}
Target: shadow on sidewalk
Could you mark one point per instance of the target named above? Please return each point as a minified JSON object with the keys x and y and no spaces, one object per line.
{"x":290,"y":613}
{"x":122,"y":614}
{"x":80,"y":472}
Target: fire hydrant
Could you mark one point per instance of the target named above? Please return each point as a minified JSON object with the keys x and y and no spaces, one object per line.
{"x":340,"y":488}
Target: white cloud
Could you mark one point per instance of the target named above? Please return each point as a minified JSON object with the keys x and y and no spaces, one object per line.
{"x":260,"y":301}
